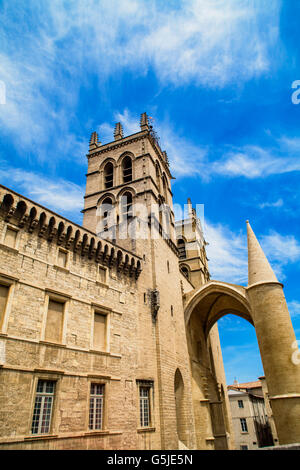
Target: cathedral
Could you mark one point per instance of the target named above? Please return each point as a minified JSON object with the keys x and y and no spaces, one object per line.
{"x":108,"y":331}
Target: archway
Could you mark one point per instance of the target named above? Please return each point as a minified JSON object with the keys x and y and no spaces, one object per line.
{"x":203,"y":308}
{"x":178,"y":392}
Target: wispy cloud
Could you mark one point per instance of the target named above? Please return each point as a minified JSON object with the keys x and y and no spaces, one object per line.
{"x":282,"y":248}
{"x":227,"y":253}
{"x":255,"y":162}
{"x":189,"y":159}
{"x":228,"y":256}
{"x":129,"y":121}
{"x":276,"y":204}
{"x":60,"y":195}
{"x":62,"y":42}
{"x":294,"y":308}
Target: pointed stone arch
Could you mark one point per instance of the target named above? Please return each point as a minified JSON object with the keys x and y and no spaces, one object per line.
{"x":203,"y":308}
{"x":216,"y":299}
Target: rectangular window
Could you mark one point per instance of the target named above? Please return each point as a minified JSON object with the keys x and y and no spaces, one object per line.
{"x":43,"y":407}
{"x":10,"y":237}
{"x":241,"y":403}
{"x":102,"y":274}
{"x":54,"y":325}
{"x":96,"y":406}
{"x":144,"y":406}
{"x":100,"y":321}
{"x":244,"y":447}
{"x":244,"y":425}
{"x":62,"y":258}
{"x":3,"y":301}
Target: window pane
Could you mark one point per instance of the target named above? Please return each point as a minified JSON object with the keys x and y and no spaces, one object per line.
{"x":96,"y":406}
{"x":144,"y":406}
{"x":43,"y":407}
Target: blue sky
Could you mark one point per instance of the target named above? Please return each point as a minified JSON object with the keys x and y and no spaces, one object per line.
{"x":215,"y":75}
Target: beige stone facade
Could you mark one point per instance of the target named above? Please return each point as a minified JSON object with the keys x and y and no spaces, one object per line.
{"x":108,"y":334}
{"x":250,"y":416}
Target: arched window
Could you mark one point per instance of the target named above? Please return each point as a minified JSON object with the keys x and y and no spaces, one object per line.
{"x":126,"y":205}
{"x":185,"y":271}
{"x":181,"y":248}
{"x":165,"y":189}
{"x":127,"y":169}
{"x":157,"y":173}
{"x":106,"y":208}
{"x":109,"y":175}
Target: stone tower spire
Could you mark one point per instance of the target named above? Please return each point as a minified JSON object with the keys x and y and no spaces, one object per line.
{"x":259,"y":269}
{"x":118,"y":132}
{"x":144,"y":122}
{"x":94,"y":141}
{"x":190,"y":208}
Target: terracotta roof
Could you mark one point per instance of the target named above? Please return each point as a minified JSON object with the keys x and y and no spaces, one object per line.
{"x":245,"y":385}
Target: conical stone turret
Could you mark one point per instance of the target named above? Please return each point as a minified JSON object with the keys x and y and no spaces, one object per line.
{"x":259,"y":269}
{"x":276,"y":337}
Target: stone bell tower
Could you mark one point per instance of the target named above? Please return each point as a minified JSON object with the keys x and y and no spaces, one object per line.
{"x":129,"y":200}
{"x":191,"y":245}
{"x":127,"y":181}
{"x":276,"y":339}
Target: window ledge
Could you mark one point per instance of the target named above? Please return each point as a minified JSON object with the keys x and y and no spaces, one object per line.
{"x":51,"y":343}
{"x":49,"y":371}
{"x":103,"y":284}
{"x":61,"y":268}
{"x":105,"y":353}
{"x":40,"y":436}
{"x":95,"y":432}
{"x":9,"y":248}
{"x":140,"y":430}
{"x":102,"y":432}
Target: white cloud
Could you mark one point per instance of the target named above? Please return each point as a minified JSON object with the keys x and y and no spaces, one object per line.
{"x":129,"y":121}
{"x":186,"y":158}
{"x":228,"y":256}
{"x":278,"y":203}
{"x":59,"y":195}
{"x":211,"y":43}
{"x":294,"y":308}
{"x":255,"y":162}
{"x":282,"y":248}
{"x":44,"y":65}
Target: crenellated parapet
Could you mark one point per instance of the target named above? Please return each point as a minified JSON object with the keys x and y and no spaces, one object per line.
{"x":34,"y":218}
